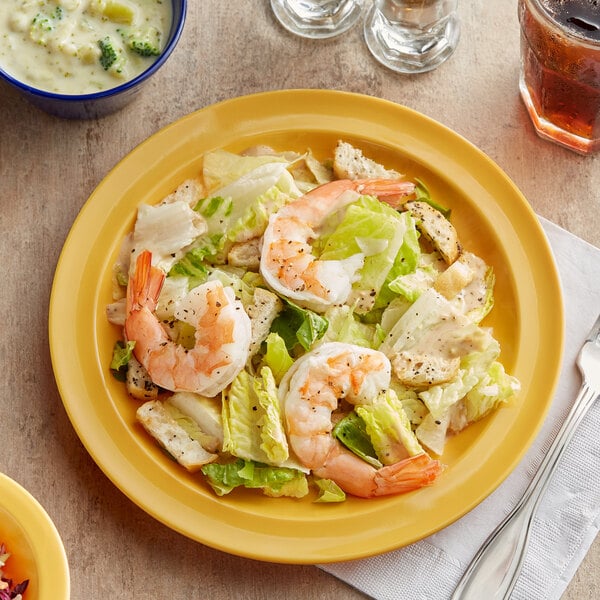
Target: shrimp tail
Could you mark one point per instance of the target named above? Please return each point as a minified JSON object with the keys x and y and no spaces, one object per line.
{"x":383,"y":188}
{"x":407,"y":475}
{"x":145,"y":284}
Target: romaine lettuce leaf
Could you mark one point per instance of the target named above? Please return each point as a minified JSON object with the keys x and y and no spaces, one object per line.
{"x":351,"y":431}
{"x":494,"y":388}
{"x":473,"y":368}
{"x":345,"y":327}
{"x":276,"y":356}
{"x":297,"y":325}
{"x":329,"y":491}
{"x":220,"y":167}
{"x":122,"y":352}
{"x":274,"y":481}
{"x":412,"y":284}
{"x":376,"y":230}
{"x":389,"y":428}
{"x":167,"y":230}
{"x":252,"y":424}
{"x":405,"y":262}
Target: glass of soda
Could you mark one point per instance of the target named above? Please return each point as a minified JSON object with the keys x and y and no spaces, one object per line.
{"x":560,"y":70}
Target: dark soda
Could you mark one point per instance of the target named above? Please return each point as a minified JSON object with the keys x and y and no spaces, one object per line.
{"x":560,"y":71}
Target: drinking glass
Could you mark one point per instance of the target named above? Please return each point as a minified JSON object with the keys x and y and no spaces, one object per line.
{"x":560,"y":70}
{"x":317,"y":19}
{"x":412,"y":36}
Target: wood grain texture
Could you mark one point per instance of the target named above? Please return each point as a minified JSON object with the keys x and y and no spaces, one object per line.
{"x":49,"y":167}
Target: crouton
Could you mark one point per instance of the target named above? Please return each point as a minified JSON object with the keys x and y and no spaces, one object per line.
{"x":423,"y":369}
{"x":138,"y":382}
{"x":262,"y":312}
{"x":436,"y":228}
{"x":245,"y":254}
{"x":350,"y":163}
{"x":191,"y":191}
{"x":455,"y":278}
{"x":156,"y":420}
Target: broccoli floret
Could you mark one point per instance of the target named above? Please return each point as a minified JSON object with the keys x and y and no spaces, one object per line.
{"x":143,"y":42}
{"x":108,"y":54}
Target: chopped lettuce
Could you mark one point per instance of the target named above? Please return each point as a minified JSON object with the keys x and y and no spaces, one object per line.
{"x":473,"y":368}
{"x":389,"y":428}
{"x":376,"y":230}
{"x":276,"y":356}
{"x":352,"y":432}
{"x":238,"y":211}
{"x":494,"y":388}
{"x":432,"y":432}
{"x":252,"y":424}
{"x":167,"y":230}
{"x":220,"y":167}
{"x":423,"y":194}
{"x":344,"y":326}
{"x":439,"y":398}
{"x":297,"y":325}
{"x":191,"y":427}
{"x":406,"y":261}
{"x":205,"y":414}
{"x":428,"y":314}
{"x":122,"y":353}
{"x":329,"y":491}
{"x":274,"y":481}
{"x":251,"y":198}
{"x":411,"y":285}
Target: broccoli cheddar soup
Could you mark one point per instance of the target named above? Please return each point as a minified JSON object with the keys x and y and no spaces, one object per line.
{"x":81,"y":46}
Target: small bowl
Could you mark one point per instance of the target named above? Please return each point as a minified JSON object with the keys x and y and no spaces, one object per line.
{"x":36,"y":550}
{"x":99,"y":104}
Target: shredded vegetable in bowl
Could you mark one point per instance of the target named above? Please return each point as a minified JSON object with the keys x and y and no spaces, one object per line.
{"x":288,"y":322}
{"x":8,"y":589}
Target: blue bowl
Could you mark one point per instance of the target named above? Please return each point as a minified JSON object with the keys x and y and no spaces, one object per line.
{"x":99,"y":104}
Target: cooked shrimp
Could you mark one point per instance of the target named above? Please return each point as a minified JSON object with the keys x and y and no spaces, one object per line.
{"x":287,"y":263}
{"x":310,"y":393}
{"x":222,"y":333}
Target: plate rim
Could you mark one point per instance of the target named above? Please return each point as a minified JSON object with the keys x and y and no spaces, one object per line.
{"x":322,"y":97}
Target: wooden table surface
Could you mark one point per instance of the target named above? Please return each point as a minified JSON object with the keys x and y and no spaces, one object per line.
{"x":49,"y":167}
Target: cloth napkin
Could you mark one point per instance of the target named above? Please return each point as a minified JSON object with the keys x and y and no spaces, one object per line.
{"x":568,"y":517}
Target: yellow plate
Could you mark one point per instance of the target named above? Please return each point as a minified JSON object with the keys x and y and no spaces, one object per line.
{"x":493,"y":220}
{"x":36,"y":550}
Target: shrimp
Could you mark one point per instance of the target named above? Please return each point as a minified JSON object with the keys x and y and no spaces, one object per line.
{"x":287,"y":263}
{"x":222,"y":336}
{"x":310,"y":392}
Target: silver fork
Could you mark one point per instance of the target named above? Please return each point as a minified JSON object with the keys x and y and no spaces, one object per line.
{"x":495,"y":568}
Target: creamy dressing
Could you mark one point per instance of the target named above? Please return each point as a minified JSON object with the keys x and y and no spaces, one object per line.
{"x":81,"y":46}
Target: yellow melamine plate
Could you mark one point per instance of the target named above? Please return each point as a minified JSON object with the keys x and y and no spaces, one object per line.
{"x":493,"y":220}
{"x":36,"y":550}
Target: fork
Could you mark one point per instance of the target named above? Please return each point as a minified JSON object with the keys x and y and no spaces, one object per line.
{"x":495,"y":568}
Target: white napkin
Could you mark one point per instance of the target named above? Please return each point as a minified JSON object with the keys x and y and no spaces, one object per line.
{"x":568,"y":516}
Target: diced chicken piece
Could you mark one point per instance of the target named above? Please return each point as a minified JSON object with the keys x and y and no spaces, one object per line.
{"x":172,"y":437}
{"x":436,"y":228}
